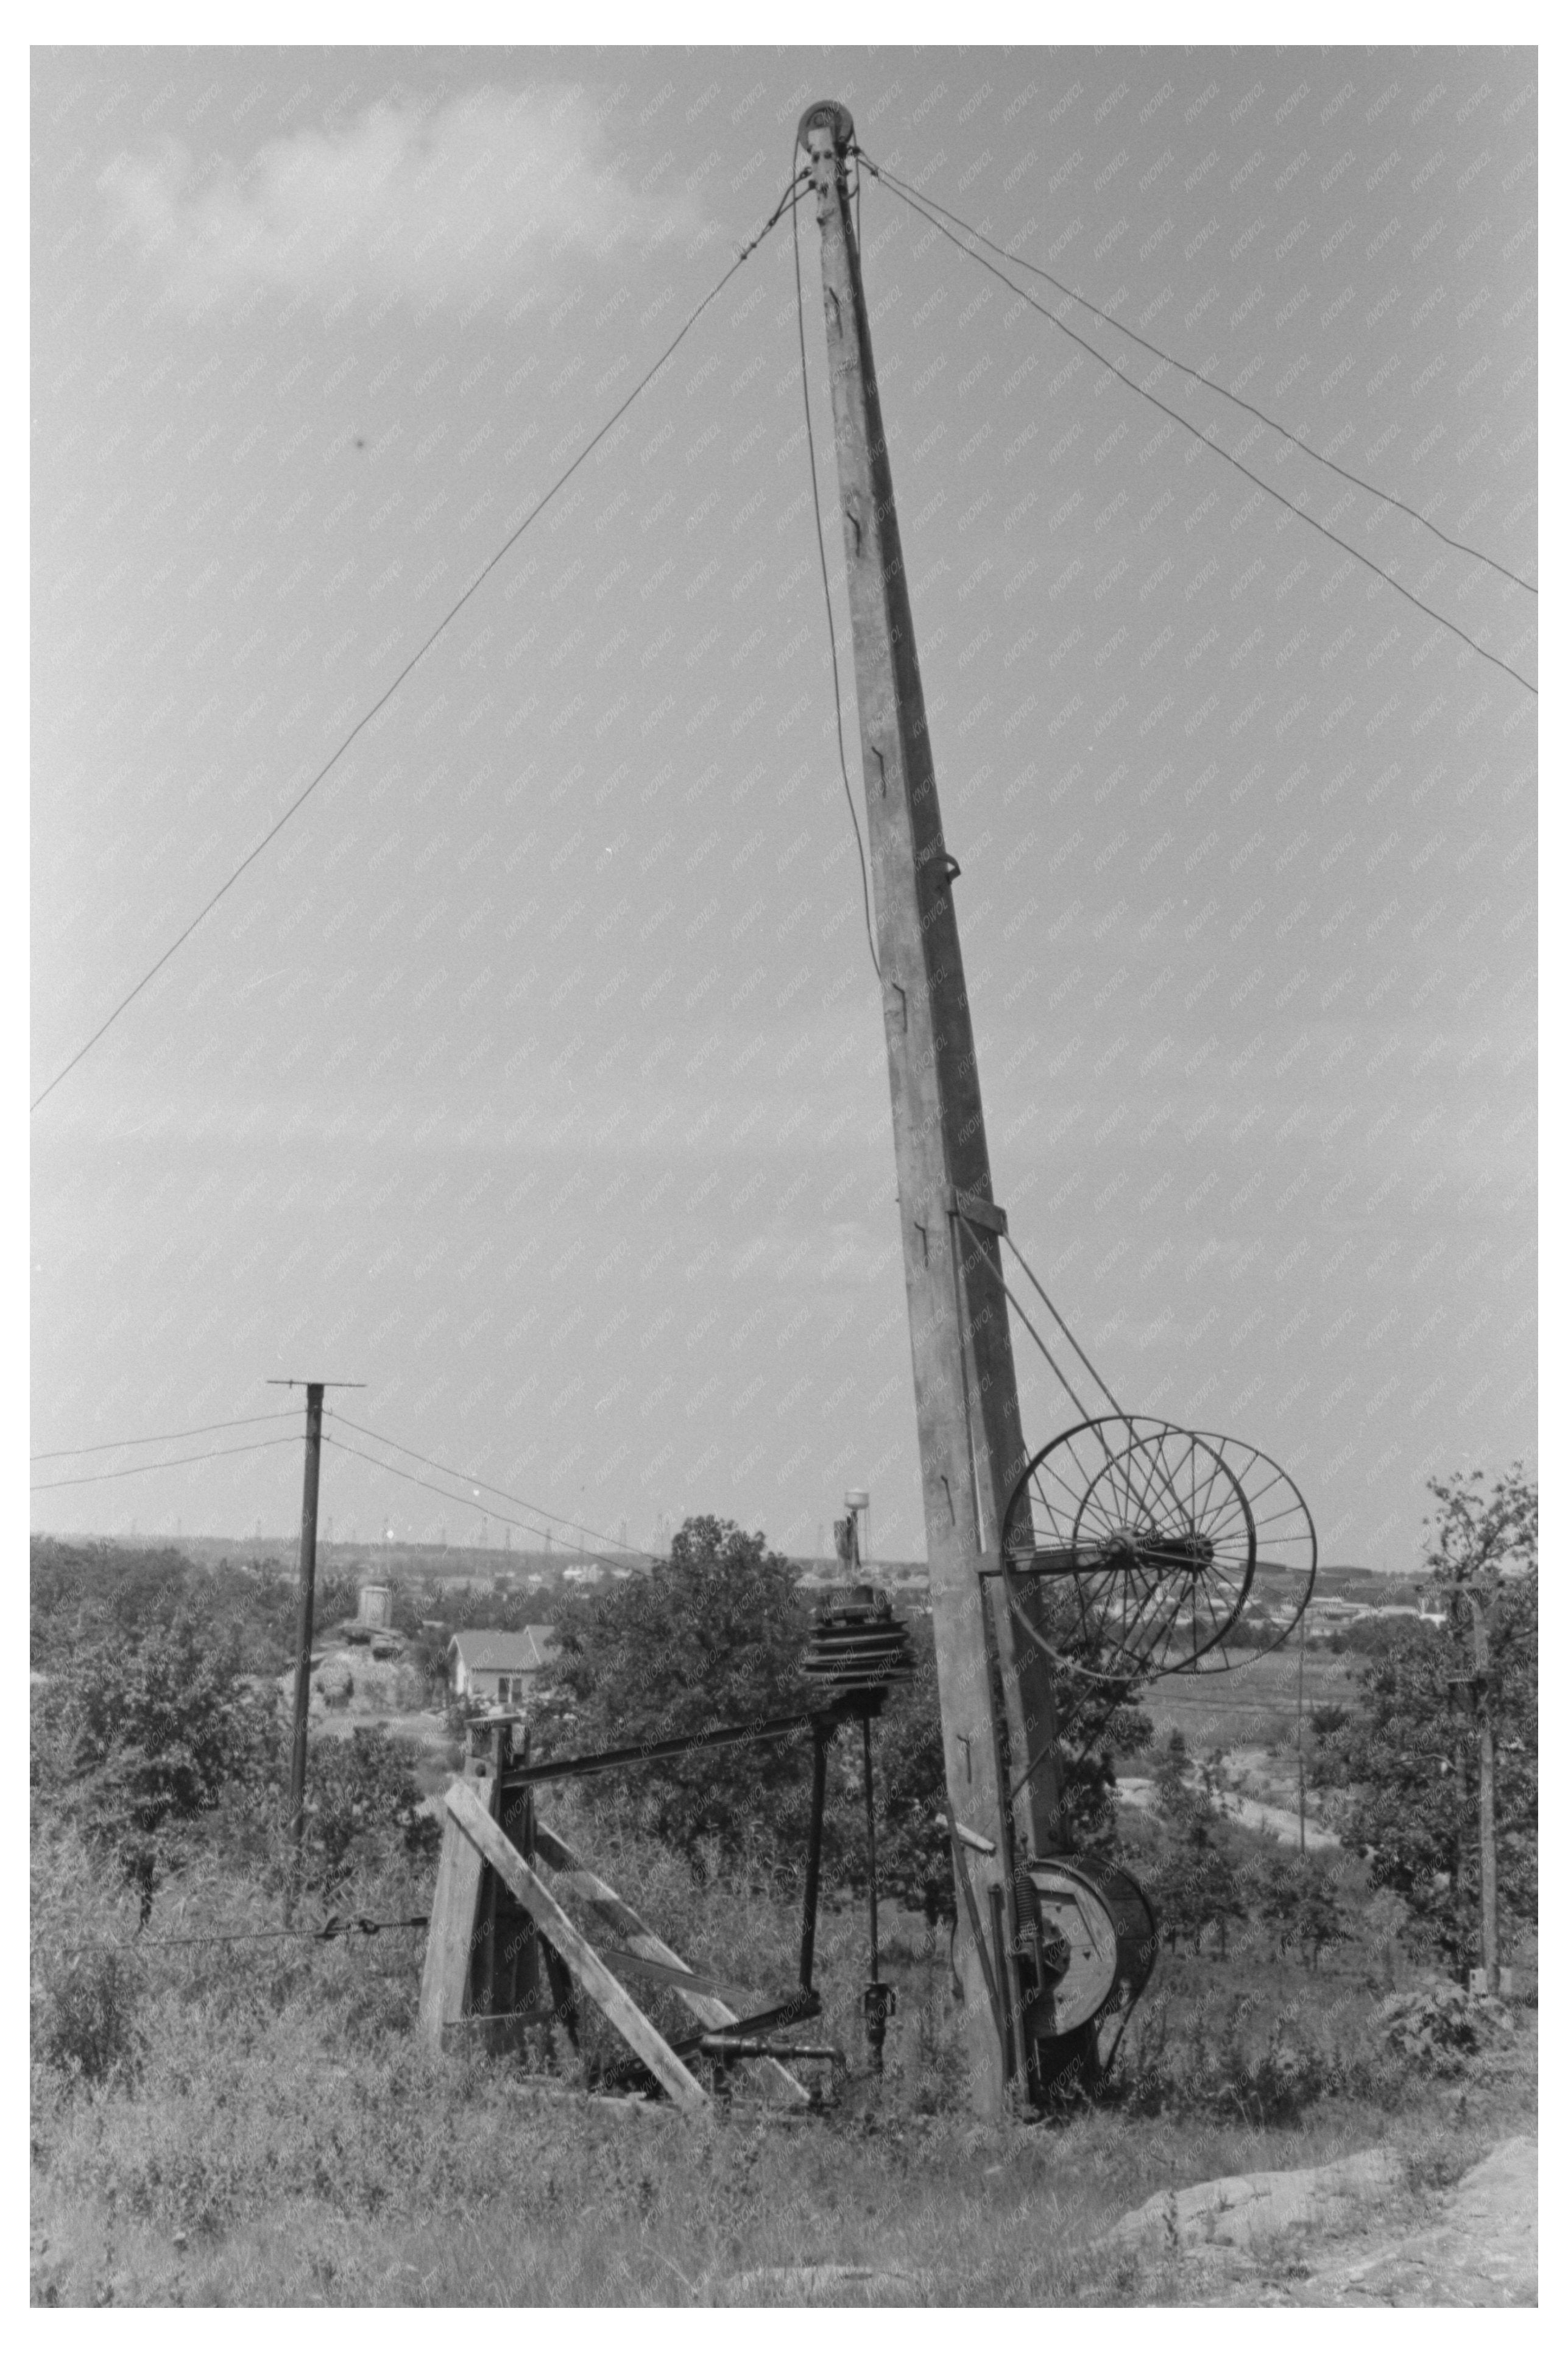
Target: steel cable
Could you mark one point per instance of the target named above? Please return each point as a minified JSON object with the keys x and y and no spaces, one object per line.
{"x":441,"y":626}
{"x":916,"y":207}
{"x":1460,"y":546}
{"x":826,"y":592}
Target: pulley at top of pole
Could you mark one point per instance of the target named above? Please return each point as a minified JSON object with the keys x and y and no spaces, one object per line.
{"x":827,"y":114}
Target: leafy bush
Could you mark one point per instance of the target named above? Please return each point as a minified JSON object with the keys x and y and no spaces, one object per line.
{"x":1439,"y":2029}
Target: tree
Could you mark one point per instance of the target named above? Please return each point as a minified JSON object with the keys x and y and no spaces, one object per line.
{"x":718,"y":1633}
{"x":357,"y":1791}
{"x":1173,"y":1796}
{"x":1320,"y":1917}
{"x":1297,"y":1895}
{"x":1276,"y":1890}
{"x":1476,"y":1537}
{"x":712,"y":1636}
{"x":83,"y":1595}
{"x":136,"y":1742}
{"x":1194,"y":1883}
{"x":1411,"y":1757}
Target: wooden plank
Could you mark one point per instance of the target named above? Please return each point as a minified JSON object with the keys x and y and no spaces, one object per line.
{"x":629,"y":1964}
{"x":618,"y":1914}
{"x":978,"y":1212}
{"x":583,"y":1962}
{"x":971,"y":1839}
{"x":449,"y":1943}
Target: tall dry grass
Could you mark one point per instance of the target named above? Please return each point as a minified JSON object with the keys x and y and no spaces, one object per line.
{"x":256,"y":2124}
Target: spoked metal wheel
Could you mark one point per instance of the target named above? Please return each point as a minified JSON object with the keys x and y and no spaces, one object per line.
{"x":1140,"y":1537}
{"x":1287,"y":1563}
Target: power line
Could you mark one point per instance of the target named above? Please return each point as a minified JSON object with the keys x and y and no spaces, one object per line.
{"x":1460,"y":546}
{"x":331,"y":1928}
{"x":133,"y":1469}
{"x":527,"y":1527}
{"x":442,"y":625}
{"x":468,"y":1478}
{"x":165,"y":1437}
{"x":447,"y":1496}
{"x":1165,"y":410}
{"x":826,"y":592}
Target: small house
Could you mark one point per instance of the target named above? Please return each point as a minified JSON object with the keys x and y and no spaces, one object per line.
{"x":498,"y":1668}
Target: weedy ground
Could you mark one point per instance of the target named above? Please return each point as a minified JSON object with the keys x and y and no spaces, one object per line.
{"x":255,"y":2123}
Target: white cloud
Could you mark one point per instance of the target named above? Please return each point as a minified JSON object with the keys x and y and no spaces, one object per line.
{"x":481,"y":197}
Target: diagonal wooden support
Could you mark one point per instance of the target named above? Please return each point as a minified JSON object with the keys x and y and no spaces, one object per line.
{"x":453,"y":1928}
{"x":618,"y":1914}
{"x":470,"y":1816}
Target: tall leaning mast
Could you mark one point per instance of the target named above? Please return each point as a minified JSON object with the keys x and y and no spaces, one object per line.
{"x":966,"y":1394}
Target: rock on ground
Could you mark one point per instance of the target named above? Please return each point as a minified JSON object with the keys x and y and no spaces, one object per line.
{"x":1246,"y":2206}
{"x":1351,"y":2233}
{"x":1482,"y":2251}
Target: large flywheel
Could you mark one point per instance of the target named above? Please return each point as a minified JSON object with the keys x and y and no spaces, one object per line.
{"x":1141,"y":1541}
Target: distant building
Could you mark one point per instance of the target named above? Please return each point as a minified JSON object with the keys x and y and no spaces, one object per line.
{"x":489,"y":1664}
{"x":1333,"y":1612}
{"x":376,"y":1605}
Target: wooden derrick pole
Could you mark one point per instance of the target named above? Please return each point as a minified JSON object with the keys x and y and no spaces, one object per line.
{"x":966,"y":1400}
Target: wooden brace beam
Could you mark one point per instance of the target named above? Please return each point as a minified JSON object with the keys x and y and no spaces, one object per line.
{"x":496,"y":1847}
{"x":618,"y":1915}
{"x":453,"y":1918}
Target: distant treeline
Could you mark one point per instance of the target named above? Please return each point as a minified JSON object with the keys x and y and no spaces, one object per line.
{"x":83,"y":1594}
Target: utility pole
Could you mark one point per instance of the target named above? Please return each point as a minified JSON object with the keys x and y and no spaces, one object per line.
{"x":966,"y":1401}
{"x":315,"y":1393}
{"x":1486,"y":1760}
{"x":1300,"y":1740}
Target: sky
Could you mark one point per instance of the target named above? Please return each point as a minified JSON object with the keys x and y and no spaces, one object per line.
{"x":534,"y":1076}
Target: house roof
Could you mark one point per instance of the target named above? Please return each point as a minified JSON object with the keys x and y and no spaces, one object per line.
{"x":497,"y":1652}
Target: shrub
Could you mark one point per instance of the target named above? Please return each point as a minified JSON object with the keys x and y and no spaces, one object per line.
{"x":85,"y":2023}
{"x":1439,"y":2029}
{"x":1222,"y":2072}
{"x":361,"y":1795}
{"x":133,"y":1742}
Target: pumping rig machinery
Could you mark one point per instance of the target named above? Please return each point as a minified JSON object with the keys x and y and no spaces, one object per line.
{"x":1061,"y":1578}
